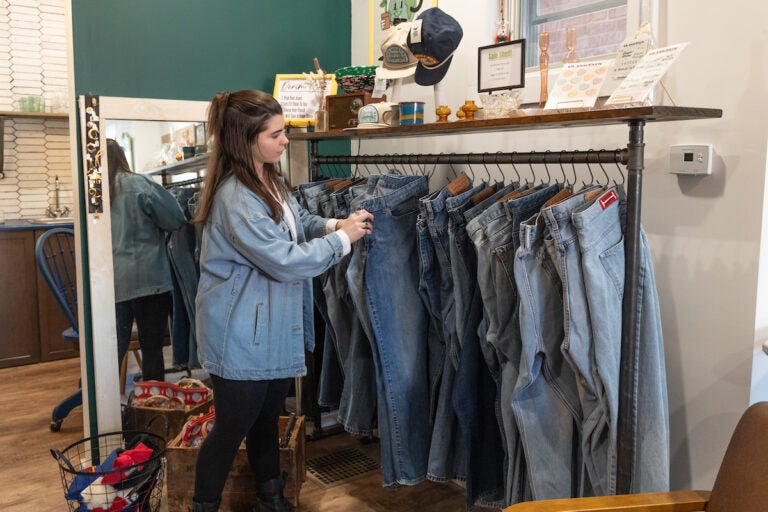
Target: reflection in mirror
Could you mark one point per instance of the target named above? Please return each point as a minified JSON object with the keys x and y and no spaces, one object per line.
{"x":142,"y":127}
{"x":153,"y":249}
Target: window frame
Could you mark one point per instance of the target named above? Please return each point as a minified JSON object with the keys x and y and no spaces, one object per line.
{"x":532,"y":77}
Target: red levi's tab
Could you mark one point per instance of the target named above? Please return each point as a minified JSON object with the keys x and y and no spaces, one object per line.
{"x":608,"y":199}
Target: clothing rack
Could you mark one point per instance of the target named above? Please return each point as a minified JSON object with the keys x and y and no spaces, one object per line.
{"x":635,"y":117}
{"x":182,"y":183}
{"x":632,"y":156}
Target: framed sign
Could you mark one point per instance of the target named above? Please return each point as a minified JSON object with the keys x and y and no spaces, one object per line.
{"x":501,"y":66}
{"x":298,"y":97}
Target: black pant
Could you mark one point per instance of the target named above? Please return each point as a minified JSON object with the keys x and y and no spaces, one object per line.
{"x":244,"y":409}
{"x":151,"y":314}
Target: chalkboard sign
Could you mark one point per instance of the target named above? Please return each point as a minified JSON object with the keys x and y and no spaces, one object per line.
{"x":298,"y":99}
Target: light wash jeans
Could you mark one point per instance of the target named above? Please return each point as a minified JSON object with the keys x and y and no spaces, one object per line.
{"x":563,"y":246}
{"x":545,"y":402}
{"x":501,"y":231}
{"x":599,"y":229}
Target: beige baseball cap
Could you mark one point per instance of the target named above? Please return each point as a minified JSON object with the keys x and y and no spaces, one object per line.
{"x":397,"y":59}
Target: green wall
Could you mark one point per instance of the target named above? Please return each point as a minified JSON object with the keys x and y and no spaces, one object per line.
{"x":191,"y":49}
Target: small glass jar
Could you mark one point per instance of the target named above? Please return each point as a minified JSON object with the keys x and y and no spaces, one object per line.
{"x":321,"y":120}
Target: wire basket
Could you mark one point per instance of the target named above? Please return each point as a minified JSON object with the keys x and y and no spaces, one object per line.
{"x":122,"y":470}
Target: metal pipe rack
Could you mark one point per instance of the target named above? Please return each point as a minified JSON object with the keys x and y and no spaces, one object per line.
{"x":633,"y":156}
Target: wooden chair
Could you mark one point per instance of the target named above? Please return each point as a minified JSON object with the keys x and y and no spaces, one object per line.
{"x":740,"y":485}
{"x":55,"y":257}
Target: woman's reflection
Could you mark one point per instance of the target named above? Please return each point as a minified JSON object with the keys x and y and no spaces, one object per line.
{"x":142,"y":212}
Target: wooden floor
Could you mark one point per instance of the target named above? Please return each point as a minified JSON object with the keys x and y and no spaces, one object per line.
{"x":30,"y":476}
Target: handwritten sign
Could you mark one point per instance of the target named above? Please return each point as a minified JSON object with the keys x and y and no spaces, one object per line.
{"x":643,"y":78}
{"x":297,"y":96}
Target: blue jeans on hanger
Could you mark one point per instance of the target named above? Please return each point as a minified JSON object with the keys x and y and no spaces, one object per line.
{"x":545,"y":402}
{"x":564,"y":250}
{"x":474,"y":391}
{"x":399,"y":324}
{"x":497,"y":238}
{"x":599,"y":229}
{"x":330,"y":382}
{"x":447,"y":460}
{"x":357,"y":406}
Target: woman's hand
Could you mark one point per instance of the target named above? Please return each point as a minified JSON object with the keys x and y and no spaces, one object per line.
{"x":357,"y":225}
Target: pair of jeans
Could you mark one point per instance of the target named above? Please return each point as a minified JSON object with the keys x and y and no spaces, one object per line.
{"x":182,"y":245}
{"x":151,"y":313}
{"x":563,"y":246}
{"x":474,"y":391}
{"x":244,"y":409}
{"x":499,"y":238}
{"x":399,"y":323}
{"x":315,"y":197}
{"x":357,"y":405}
{"x":544,"y":401}
{"x":599,"y":229}
{"x":447,"y":459}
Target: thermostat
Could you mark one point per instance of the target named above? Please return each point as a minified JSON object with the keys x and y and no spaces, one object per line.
{"x":692,"y":159}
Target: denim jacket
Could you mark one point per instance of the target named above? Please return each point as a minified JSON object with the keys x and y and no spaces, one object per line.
{"x":254,"y":299}
{"x":142,"y":213}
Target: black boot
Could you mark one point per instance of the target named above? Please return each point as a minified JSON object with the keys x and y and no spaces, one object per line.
{"x":204,"y":507}
{"x":271,"y":498}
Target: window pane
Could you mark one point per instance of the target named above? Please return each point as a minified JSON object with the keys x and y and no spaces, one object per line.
{"x":554,"y":6}
{"x":597,"y":33}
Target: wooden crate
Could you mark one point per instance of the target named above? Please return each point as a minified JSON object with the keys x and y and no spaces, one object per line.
{"x":140,"y":417}
{"x":240,"y":490}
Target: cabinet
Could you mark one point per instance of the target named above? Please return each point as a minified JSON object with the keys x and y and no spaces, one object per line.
{"x":30,"y":319}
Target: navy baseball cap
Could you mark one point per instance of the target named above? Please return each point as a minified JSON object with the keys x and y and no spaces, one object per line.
{"x":433,"y":38}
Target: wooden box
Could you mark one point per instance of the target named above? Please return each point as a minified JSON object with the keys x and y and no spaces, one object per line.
{"x":139,"y":417}
{"x":240,"y":490}
{"x":342,"y":108}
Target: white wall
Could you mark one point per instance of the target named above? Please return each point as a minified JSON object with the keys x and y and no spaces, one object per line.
{"x":705,"y":232}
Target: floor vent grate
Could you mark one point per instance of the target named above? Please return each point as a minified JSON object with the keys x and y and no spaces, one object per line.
{"x":341,"y":466}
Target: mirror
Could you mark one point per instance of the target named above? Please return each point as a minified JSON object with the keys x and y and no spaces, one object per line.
{"x":153,"y":134}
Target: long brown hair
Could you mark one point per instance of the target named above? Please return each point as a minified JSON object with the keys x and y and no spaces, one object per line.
{"x":234,"y":122}
{"x":116,"y":162}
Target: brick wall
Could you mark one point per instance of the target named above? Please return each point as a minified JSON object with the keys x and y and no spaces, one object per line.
{"x":33,"y":62}
{"x":597,"y":33}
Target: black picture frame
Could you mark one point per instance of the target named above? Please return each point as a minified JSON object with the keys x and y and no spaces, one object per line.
{"x":506,"y":60}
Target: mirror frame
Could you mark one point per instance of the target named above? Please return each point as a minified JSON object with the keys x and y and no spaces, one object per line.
{"x":105,"y":401}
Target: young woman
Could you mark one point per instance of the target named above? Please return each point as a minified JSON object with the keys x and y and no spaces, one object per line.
{"x":259,"y":252}
{"x":142,"y":214}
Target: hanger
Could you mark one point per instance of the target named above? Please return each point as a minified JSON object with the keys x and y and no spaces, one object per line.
{"x":591,"y":176}
{"x":607,"y":178}
{"x":514,"y":168}
{"x":487,"y":172}
{"x":546,"y":169}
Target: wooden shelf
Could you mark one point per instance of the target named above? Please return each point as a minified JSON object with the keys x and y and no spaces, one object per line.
{"x":39,"y":115}
{"x":532,"y":119}
{"x":187,"y":165}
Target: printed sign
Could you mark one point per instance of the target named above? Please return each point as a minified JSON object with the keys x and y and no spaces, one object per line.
{"x":646,"y":74}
